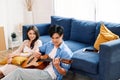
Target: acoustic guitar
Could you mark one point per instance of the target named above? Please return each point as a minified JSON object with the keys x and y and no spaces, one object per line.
{"x":33,"y":62}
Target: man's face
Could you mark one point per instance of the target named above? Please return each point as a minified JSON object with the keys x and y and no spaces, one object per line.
{"x":56,"y":39}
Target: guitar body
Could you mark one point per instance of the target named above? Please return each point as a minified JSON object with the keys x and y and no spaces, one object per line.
{"x":32,"y":62}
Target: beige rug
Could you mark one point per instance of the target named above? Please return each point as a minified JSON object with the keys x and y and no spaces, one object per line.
{"x":4,"y":53}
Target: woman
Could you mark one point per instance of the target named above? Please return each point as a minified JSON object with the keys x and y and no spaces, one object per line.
{"x":27,"y":48}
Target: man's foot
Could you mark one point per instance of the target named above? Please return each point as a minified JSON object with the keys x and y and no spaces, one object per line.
{"x":1,"y":75}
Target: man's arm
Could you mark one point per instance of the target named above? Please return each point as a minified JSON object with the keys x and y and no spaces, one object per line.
{"x":56,"y":63}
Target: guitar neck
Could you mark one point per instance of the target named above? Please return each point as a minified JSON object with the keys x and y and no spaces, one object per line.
{"x":47,"y":60}
{"x":50,"y":59}
{"x":67,"y":61}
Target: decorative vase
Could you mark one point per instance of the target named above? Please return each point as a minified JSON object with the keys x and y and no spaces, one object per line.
{"x":28,"y":17}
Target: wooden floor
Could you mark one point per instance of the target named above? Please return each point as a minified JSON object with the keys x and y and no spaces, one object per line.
{"x":69,"y":76}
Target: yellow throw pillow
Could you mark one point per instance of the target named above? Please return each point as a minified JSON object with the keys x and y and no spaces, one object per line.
{"x":104,"y":36}
{"x":16,"y":60}
{"x":3,"y":62}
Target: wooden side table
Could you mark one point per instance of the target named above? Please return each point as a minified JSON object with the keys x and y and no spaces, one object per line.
{"x":2,"y":39}
{"x":14,"y":44}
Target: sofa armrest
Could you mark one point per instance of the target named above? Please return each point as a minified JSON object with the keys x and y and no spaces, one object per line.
{"x":42,"y":28}
{"x":109,"y":64}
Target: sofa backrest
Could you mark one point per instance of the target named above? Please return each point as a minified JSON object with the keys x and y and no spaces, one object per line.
{"x":42,"y":28}
{"x":65,"y":22}
{"x":83,"y":31}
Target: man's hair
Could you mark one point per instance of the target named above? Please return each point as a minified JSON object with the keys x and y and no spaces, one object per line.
{"x":55,"y":29}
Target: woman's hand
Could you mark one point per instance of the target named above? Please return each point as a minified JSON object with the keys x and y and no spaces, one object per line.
{"x":10,"y":56}
{"x":13,"y":55}
{"x":37,"y":55}
{"x":9,"y":61}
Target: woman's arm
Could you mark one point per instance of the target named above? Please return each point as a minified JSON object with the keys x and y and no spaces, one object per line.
{"x":15,"y":53}
{"x":38,"y":44}
{"x":20,"y":49}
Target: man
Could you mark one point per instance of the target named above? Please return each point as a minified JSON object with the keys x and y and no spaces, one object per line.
{"x":55,"y":49}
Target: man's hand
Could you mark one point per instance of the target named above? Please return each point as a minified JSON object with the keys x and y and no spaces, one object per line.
{"x":56,"y":62}
{"x":44,"y":56}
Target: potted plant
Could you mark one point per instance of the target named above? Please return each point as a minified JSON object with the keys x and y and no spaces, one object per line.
{"x":13,"y":35}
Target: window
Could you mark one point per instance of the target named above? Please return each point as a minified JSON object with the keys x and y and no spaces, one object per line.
{"x":96,"y":10}
{"x":108,"y":10}
{"x":80,"y":9}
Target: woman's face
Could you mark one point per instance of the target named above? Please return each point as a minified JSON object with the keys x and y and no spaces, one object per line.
{"x":56,"y":39}
{"x":31,"y":35}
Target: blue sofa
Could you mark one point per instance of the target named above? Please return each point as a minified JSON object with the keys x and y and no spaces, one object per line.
{"x":81,"y":34}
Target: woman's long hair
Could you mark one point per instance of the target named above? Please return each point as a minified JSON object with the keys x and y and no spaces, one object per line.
{"x":34,"y":28}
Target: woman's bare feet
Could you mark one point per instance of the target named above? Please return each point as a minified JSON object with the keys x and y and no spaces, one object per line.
{"x":1,"y":75}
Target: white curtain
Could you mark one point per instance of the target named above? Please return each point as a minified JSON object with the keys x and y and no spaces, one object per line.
{"x":108,"y":10}
{"x":96,"y":10}
{"x":80,"y":9}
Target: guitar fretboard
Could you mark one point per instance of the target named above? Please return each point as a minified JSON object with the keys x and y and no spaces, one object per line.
{"x":49,"y":60}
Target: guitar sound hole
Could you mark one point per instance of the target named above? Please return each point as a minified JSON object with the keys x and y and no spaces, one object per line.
{"x":30,"y":60}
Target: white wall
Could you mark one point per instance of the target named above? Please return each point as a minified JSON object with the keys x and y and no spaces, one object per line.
{"x":42,"y":10}
{"x":15,"y":17}
{"x":13,"y":13}
{"x":10,"y":16}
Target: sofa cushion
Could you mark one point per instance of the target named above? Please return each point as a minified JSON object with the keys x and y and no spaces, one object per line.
{"x":18,"y":60}
{"x":83,"y":31}
{"x":104,"y":36}
{"x":114,"y":27}
{"x":43,"y":28}
{"x":74,"y":45}
{"x":85,"y":61}
{"x":45,"y":39}
{"x":65,"y":22}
